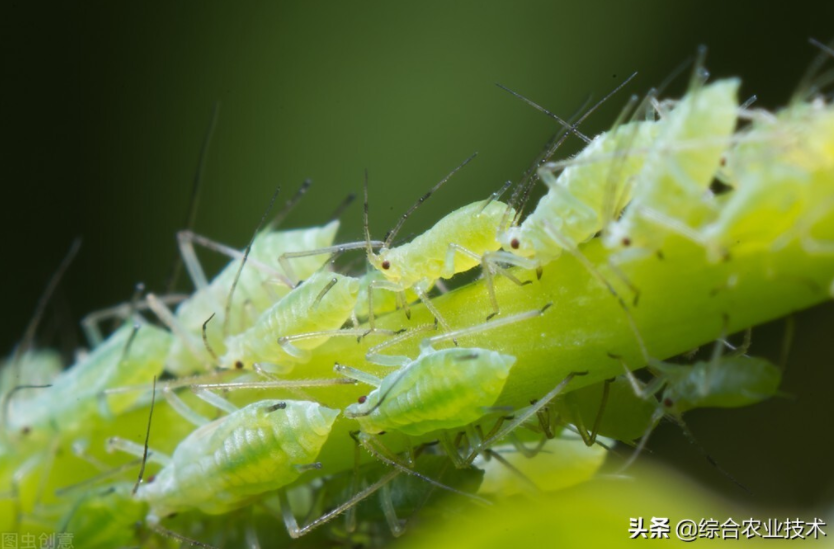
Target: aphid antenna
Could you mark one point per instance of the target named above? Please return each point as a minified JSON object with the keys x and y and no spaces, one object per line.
{"x":7,"y":399}
{"x":746,"y":105}
{"x":343,"y":205}
{"x":29,"y":334}
{"x":700,"y":74}
{"x":290,"y":205}
{"x":807,"y":86}
{"x":521,"y":194}
{"x":228,"y":307}
{"x":194,"y":200}
{"x":692,"y":440}
{"x":147,"y":437}
{"x":206,"y":342}
{"x":393,"y":232}
{"x":566,"y":125}
{"x":497,"y":194}
{"x":552,"y":150}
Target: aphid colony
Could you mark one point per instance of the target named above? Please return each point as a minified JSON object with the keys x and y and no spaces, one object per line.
{"x":278,"y":317}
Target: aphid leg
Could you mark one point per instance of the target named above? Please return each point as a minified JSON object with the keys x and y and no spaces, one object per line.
{"x":421,"y":293}
{"x":101,"y":398}
{"x":643,"y":391}
{"x":589,"y":438}
{"x":583,"y":259}
{"x":529,"y":485}
{"x":524,"y":415}
{"x":449,"y":271}
{"x":428,"y":343}
{"x":91,"y":323}
{"x":303,"y":355}
{"x":187,"y":239}
{"x":215,"y":400}
{"x":118,"y":444}
{"x":656,"y":417}
{"x":396,"y":525}
{"x":522,"y":448}
{"x":228,"y":305}
{"x":183,"y":409}
{"x":185,"y":541}
{"x":192,"y":342}
{"x":381,"y":285}
{"x":357,"y":375}
{"x":374,"y":446}
{"x":292,"y":524}
{"x":395,"y":361}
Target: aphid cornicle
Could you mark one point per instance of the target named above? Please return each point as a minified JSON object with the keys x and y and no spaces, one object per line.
{"x":227,"y":463}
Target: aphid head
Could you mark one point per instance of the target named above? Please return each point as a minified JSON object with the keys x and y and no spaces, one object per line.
{"x":387,"y":263}
{"x":514,"y":240}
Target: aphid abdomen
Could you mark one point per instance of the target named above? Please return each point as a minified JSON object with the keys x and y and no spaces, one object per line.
{"x":441,"y":390}
{"x":317,"y":305}
{"x":223,"y":465}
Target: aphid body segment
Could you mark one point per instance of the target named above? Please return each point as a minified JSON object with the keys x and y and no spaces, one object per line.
{"x":585,"y":196}
{"x":257,"y":289}
{"x":442,"y":389}
{"x":225,"y":464}
{"x":76,"y":399}
{"x":672,"y":189}
{"x":322,"y":303}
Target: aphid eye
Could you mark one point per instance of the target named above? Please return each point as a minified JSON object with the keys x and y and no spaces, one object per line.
{"x":386,"y":264}
{"x":626,"y":241}
{"x":362,"y":399}
{"x":668,"y":402}
{"x":239,"y":365}
{"x":150,"y":479}
{"x":514,"y":244}
{"x":26,"y":430}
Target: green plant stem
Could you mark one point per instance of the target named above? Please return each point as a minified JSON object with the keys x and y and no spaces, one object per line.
{"x":685,"y":301}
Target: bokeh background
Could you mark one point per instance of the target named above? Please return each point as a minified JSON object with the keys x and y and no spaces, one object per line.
{"x":105,"y":106}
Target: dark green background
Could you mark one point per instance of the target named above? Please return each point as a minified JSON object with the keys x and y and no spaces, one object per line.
{"x":104,"y":107}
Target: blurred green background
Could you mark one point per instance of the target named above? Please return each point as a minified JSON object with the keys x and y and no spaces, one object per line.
{"x":105,"y":105}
